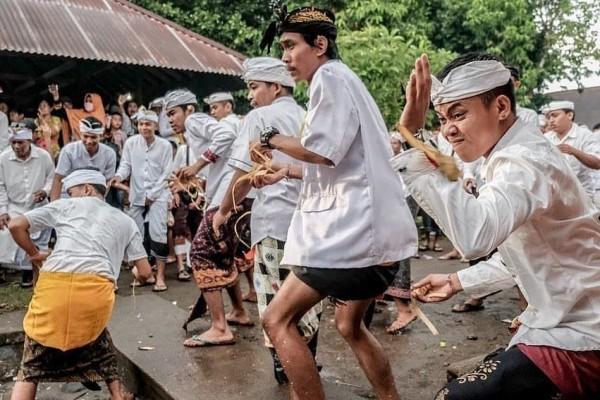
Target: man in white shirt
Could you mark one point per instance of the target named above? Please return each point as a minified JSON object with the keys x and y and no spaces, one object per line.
{"x":213,"y":254}
{"x":527,"y":115}
{"x":344,"y":239}
{"x":4,"y":143}
{"x":66,"y":339}
{"x":578,"y":144}
{"x":222,"y":108}
{"x":87,"y":152}
{"x":146,"y":162}
{"x":534,"y":210}
{"x":26,"y":174}
{"x":270,"y":88}
{"x":164,"y":128}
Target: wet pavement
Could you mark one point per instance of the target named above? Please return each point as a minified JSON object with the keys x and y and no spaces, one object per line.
{"x":419,"y":360}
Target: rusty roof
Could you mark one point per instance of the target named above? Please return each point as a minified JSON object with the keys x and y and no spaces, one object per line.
{"x":109,"y":30}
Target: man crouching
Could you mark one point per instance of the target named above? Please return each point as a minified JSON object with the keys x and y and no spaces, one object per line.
{"x":66,"y":338}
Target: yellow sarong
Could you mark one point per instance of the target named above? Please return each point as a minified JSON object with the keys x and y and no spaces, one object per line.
{"x":69,"y":310}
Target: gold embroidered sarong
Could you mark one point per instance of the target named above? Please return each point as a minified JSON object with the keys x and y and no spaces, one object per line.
{"x":69,"y":310}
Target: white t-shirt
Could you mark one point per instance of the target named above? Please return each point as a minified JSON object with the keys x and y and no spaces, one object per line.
{"x":92,"y":236}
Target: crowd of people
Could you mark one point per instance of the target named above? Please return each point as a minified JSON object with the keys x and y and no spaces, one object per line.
{"x":306,"y":204}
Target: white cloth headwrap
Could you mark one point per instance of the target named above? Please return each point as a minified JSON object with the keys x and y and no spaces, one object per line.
{"x":267,"y":69}
{"x":147,"y":115}
{"x":157,"y":103}
{"x":217,"y":97}
{"x":558,"y":105}
{"x":21,"y":134}
{"x":469,"y":80}
{"x":84,"y":127}
{"x":178,"y":97}
{"x":82,"y":176}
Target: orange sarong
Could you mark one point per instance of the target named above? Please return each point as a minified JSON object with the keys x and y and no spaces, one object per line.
{"x":69,"y":310}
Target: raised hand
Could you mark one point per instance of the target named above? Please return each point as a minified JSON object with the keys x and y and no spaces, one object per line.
{"x":417,"y":96}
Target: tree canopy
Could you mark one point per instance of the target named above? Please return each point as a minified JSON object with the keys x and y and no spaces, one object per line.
{"x":380,"y":39}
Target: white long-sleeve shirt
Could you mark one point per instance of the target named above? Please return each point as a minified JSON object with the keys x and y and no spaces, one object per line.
{"x":4,"y":142}
{"x":585,"y":140}
{"x":20,"y":179}
{"x":533,"y":208}
{"x":213,"y":141}
{"x":147,"y":167}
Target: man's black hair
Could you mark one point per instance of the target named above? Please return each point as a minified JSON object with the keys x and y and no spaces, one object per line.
{"x":100,"y":189}
{"x":507,"y":89}
{"x":597,"y":126}
{"x":515,"y":71}
{"x":332,"y":50}
{"x":289,"y":89}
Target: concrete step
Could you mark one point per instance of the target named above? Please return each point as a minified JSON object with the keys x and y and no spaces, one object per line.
{"x":171,"y":371}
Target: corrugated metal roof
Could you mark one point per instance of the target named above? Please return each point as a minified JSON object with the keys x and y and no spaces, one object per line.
{"x":109,"y":30}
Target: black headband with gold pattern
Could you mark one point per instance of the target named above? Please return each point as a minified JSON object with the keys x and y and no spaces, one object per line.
{"x":302,"y":20}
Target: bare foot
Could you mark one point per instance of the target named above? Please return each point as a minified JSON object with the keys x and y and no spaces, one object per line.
{"x":234,"y":318}
{"x":211,"y":337}
{"x":250,"y":297}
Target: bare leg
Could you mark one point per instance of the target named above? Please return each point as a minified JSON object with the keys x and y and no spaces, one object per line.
{"x":238,"y":313}
{"x":280,"y":321}
{"x":251,"y":295}
{"x":219,"y":330}
{"x":117,"y":392}
{"x":160,"y":272}
{"x":368,"y":351}
{"x":24,"y":391}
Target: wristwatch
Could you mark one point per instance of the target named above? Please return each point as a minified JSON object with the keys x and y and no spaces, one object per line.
{"x":266,"y":135}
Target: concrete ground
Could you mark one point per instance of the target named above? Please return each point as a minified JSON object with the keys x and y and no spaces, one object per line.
{"x":419,"y":360}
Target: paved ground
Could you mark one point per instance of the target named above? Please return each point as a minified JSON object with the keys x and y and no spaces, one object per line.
{"x":419,"y":360}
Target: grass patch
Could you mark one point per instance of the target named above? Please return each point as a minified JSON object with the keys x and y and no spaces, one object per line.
{"x":13,"y":297}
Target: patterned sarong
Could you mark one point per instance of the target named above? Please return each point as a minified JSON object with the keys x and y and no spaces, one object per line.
{"x":213,"y":256}
{"x":268,"y":278}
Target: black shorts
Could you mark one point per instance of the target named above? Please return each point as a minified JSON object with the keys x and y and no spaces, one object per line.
{"x":349,"y":283}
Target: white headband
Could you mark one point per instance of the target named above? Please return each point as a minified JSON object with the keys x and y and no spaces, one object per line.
{"x":147,"y":115}
{"x":267,"y":69}
{"x":93,"y":128}
{"x":217,"y":97}
{"x":21,"y":134}
{"x":83,"y":176}
{"x":179,"y":97}
{"x":469,"y":80}
{"x":558,"y":105}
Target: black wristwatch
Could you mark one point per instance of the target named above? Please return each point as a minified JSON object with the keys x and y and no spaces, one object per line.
{"x":266,"y":135}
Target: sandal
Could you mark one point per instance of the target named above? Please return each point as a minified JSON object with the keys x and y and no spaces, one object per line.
{"x":423,"y":247}
{"x":136,"y":283}
{"x":159,"y":288}
{"x":438,"y":249}
{"x":183,"y":276}
{"x":395,"y":329}
{"x":467,"y":307}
